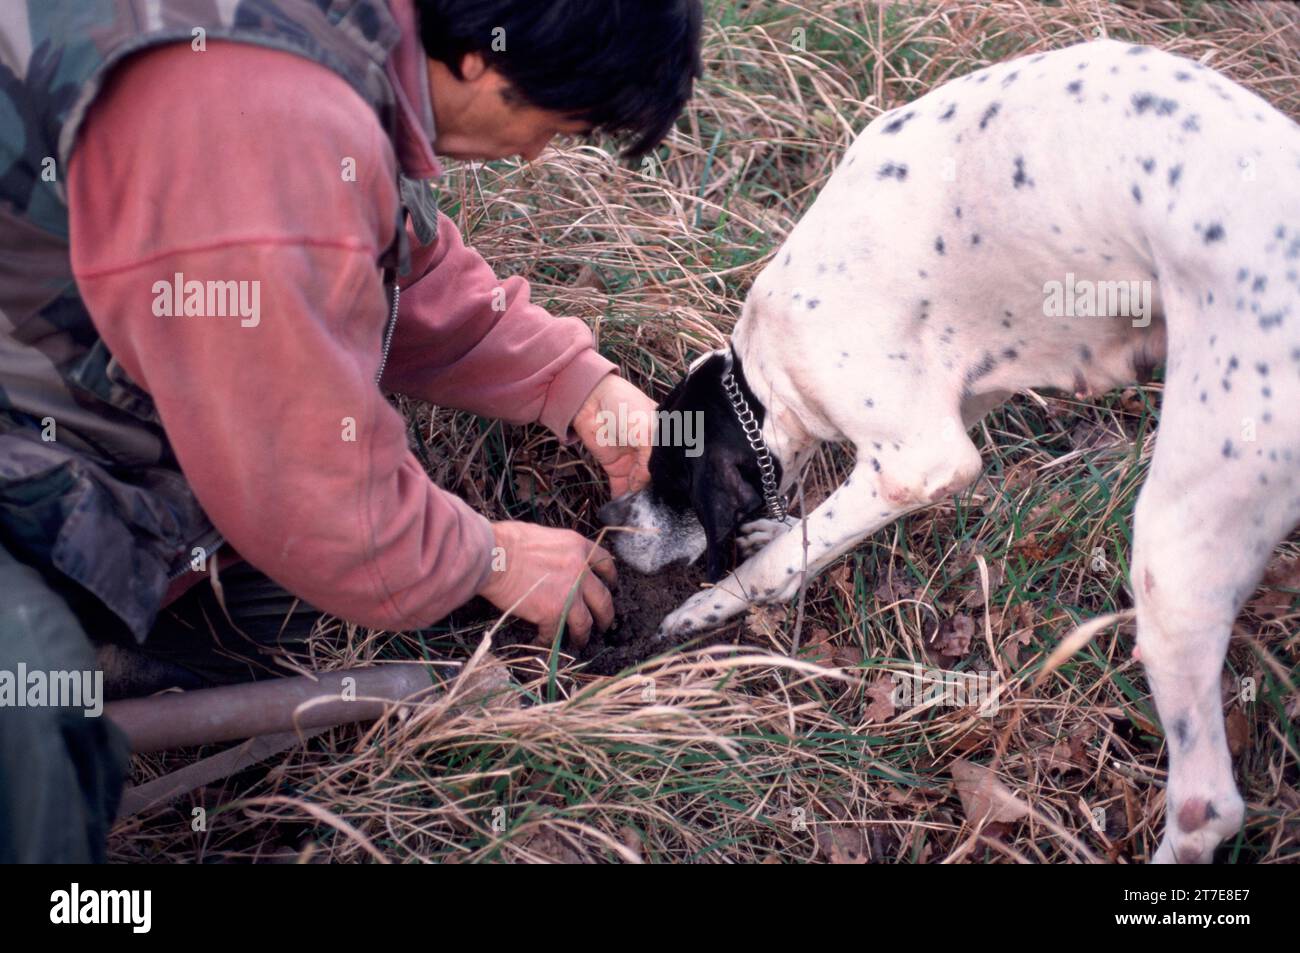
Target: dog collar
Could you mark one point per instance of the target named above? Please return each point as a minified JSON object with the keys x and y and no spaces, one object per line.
{"x":754,"y":434}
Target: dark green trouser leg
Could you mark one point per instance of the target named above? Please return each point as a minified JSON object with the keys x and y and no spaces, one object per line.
{"x":61,"y":773}
{"x":236,"y":638}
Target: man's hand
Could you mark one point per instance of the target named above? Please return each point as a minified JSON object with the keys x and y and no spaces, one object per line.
{"x":558,"y":558}
{"x":626,"y":461}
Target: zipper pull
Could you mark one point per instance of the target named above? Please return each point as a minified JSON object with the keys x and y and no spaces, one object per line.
{"x":395,"y":298}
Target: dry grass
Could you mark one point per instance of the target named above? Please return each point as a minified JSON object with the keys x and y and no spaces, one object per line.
{"x":716,"y":755}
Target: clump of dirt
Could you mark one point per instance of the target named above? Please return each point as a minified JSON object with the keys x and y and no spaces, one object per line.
{"x":640,"y":603}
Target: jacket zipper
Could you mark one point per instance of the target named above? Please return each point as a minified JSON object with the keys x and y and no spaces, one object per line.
{"x":214,"y":542}
{"x":388,"y":330}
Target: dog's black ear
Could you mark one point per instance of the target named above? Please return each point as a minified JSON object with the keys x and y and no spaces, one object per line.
{"x":722,"y":497}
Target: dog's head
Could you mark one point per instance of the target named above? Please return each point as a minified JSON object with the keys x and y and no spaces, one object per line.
{"x":700,"y":490}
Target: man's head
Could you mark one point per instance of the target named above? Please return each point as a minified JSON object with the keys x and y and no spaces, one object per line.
{"x":509,"y":75}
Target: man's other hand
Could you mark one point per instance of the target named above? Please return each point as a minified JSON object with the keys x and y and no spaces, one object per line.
{"x":623,"y":452}
{"x":540,"y":567}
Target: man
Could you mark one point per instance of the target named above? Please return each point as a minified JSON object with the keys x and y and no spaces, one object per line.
{"x":202,"y":237}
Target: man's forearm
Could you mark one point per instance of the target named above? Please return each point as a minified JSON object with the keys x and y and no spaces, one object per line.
{"x":468,"y":341}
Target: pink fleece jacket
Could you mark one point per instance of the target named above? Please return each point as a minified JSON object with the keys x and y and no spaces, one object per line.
{"x":228,"y":165}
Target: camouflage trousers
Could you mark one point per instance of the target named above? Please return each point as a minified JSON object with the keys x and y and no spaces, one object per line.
{"x":61,"y":772}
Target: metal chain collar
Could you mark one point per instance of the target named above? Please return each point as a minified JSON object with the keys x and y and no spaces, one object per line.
{"x":753,"y":433}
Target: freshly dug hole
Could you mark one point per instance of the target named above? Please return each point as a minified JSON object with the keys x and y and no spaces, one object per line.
{"x":640,"y":603}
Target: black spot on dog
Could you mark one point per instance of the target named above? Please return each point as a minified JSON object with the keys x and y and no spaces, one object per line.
{"x":898,"y":124}
{"x":1182,"y":77}
{"x":1018,"y":178}
{"x":875,"y":464}
{"x":948,"y":113}
{"x":1181,"y":732}
{"x":868,"y":402}
{"x":1259,"y":284}
{"x":1242,"y":274}
{"x":1261,"y":368}
{"x":1148,"y":165}
{"x":1175,"y":173}
{"x":1075,"y":87}
{"x":1010,"y":353}
{"x":1273,"y":320}
{"x":957,"y":211}
{"x":1192,"y":124}
{"x":1085,"y":353}
{"x":1009,"y":78}
{"x":892,"y":170}
{"x":787,"y":260}
{"x":1214,"y":233}
{"x":1137,"y":193}
{"x":975,"y":239}
{"x":989,"y":114}
{"x":1138,"y":50}
{"x":813,"y":303}
{"x":982,"y":369}
{"x":1149,"y":101}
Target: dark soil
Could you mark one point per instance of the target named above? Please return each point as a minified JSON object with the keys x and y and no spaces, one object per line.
{"x":640,"y":603}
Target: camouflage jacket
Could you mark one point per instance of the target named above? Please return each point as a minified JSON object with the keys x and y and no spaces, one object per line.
{"x":89,"y":485}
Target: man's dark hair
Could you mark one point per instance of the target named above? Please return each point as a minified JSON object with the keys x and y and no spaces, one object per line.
{"x":624,"y":66}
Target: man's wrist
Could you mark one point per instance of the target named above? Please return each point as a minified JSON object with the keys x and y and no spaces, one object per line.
{"x":570,"y":392}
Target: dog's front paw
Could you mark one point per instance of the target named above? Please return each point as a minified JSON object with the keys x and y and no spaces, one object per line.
{"x":752,"y":537}
{"x":706,"y":609}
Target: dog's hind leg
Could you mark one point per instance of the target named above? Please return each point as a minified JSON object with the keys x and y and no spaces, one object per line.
{"x":1220,"y":496}
{"x":884,"y":485}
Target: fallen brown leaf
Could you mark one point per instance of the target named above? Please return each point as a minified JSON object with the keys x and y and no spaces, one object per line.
{"x":953,"y":639}
{"x":881,"y":707}
{"x":983,"y":795}
{"x":1237,"y":729}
